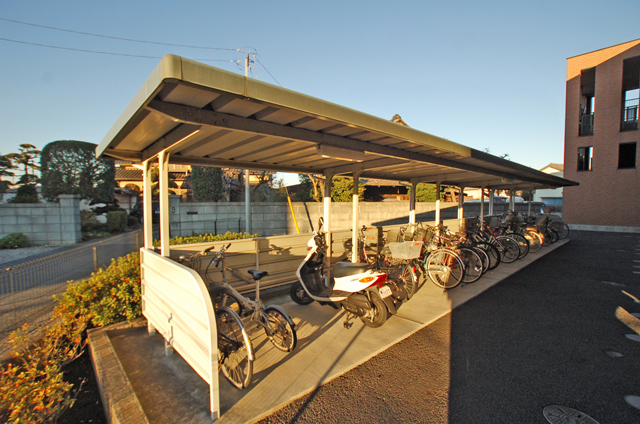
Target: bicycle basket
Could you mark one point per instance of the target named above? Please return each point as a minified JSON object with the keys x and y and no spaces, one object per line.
{"x":406,"y":250}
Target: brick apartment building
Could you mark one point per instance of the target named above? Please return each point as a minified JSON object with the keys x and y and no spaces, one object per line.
{"x":601,"y":139}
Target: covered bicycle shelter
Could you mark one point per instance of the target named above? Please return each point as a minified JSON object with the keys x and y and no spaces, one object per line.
{"x":190,"y":113}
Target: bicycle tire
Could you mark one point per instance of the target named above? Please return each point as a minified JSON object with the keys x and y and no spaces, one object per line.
{"x":409,"y":279}
{"x":281,"y":333}
{"x":492,"y":252}
{"x":561,"y":228}
{"x":484,"y":256}
{"x":235,"y":351}
{"x":508,"y":249}
{"x":445,"y":268}
{"x":472,"y":265}
{"x":535,"y":240}
{"x":523,"y":244}
{"x":222,"y":296}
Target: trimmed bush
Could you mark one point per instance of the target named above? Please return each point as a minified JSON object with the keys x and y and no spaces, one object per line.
{"x":13,"y":241}
{"x":207,"y":237}
{"x":117,"y":221}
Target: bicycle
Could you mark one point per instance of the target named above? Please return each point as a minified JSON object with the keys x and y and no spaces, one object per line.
{"x":363,"y":255}
{"x":275,"y":322}
{"x":235,"y":351}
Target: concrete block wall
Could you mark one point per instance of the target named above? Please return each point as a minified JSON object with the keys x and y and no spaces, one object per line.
{"x":43,"y":223}
{"x":275,"y":218}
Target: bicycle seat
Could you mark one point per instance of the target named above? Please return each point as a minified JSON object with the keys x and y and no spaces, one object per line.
{"x":257,"y":274}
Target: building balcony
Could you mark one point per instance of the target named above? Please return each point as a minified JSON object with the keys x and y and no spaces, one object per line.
{"x":586,"y":124}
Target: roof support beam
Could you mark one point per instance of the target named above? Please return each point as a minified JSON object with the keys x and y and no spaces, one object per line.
{"x":196,"y":116}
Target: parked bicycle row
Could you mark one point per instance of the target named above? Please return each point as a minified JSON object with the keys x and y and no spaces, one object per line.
{"x":371,"y":289}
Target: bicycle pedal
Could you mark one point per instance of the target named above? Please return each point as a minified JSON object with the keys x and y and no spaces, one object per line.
{"x":347,"y":325}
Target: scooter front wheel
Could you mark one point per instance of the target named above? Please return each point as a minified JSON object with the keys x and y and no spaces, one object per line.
{"x":378,"y":314}
{"x":299,"y":295}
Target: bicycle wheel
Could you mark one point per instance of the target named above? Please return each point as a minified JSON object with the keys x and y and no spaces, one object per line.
{"x":535,"y":240}
{"x":445,"y":268}
{"x":472,"y":265}
{"x":485,"y":258}
{"x":409,"y":279}
{"x":235,"y":352}
{"x":561,"y":228}
{"x":492,"y":252}
{"x":281,"y":333}
{"x":222,"y":296}
{"x":523,"y":244}
{"x":508,"y":249}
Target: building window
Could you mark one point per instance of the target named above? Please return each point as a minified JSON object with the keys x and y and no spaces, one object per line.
{"x":587,"y":100}
{"x":585,"y":157}
{"x":630,"y":93}
{"x":627,"y":155}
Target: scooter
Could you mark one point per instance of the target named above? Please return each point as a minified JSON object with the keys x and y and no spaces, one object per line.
{"x":358,"y":288}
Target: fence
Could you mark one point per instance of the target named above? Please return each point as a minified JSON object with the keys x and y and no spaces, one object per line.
{"x":26,"y":290}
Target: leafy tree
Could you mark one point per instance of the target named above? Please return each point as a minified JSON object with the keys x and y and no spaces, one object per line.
{"x":27,"y":193}
{"x":26,"y":160}
{"x":206,"y":183}
{"x":155,"y":181}
{"x":71,"y":167}
{"x":5,"y":167}
{"x":306,"y":192}
{"x":342,"y":190}
{"x":426,"y":192}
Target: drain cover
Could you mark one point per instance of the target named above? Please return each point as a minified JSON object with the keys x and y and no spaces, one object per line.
{"x":562,"y":415}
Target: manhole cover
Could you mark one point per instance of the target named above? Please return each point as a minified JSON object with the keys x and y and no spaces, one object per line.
{"x":614,"y":354}
{"x":562,"y":415}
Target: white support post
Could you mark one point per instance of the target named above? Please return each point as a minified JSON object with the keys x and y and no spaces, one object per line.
{"x":327,"y":213}
{"x":461,"y":203}
{"x":355,"y":218}
{"x":482,"y":205}
{"x":438,"y":203}
{"x":247,"y":201}
{"x":531,"y":192}
{"x":147,"y":205}
{"x":163,"y":163}
{"x":512,"y":200}
{"x":412,"y":203}
{"x":491,"y":192}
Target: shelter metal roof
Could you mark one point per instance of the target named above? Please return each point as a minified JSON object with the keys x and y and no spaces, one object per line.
{"x":203,"y":115}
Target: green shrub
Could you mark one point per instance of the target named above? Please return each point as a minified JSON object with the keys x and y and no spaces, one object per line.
{"x":26,"y":193}
{"x":89,"y":222}
{"x":207,"y":237}
{"x":132,"y":221}
{"x":117,"y":221}
{"x":111,"y":295}
{"x":13,"y":241}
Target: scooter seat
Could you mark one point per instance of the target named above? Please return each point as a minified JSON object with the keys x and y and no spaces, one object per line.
{"x":342,"y":269}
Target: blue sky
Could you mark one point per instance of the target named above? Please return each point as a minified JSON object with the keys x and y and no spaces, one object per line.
{"x":489,"y":75}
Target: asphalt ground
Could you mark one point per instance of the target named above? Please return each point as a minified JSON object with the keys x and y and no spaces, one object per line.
{"x":548,"y":335}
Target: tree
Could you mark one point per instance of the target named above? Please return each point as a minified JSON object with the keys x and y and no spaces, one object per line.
{"x":155,"y":181}
{"x":71,"y":167}
{"x":5,"y":166}
{"x":26,"y":160}
{"x":206,"y":183}
{"x":342,"y":190}
{"x":426,"y":192}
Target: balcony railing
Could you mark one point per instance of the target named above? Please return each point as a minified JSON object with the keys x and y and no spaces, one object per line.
{"x":630,"y":115}
{"x":586,"y":124}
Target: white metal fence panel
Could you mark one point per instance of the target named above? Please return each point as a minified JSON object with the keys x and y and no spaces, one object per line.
{"x":176,"y":303}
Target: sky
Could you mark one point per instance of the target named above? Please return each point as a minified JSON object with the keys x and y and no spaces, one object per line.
{"x":489,"y":75}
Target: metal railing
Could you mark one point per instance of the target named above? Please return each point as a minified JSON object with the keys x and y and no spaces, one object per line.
{"x":27,"y":290}
{"x":586,"y":124}
{"x":630,"y":115}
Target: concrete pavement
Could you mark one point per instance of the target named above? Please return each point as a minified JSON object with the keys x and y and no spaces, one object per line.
{"x":143,"y":383}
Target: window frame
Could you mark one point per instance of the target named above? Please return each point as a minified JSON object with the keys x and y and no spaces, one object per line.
{"x":582,"y":163}
{"x":628,"y":155}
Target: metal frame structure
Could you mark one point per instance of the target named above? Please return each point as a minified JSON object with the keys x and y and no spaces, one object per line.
{"x":190,"y":113}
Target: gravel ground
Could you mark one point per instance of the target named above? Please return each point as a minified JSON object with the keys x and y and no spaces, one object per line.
{"x":10,"y":255}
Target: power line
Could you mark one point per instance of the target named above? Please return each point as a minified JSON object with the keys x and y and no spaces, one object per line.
{"x":117,"y":38}
{"x":103,"y":52}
